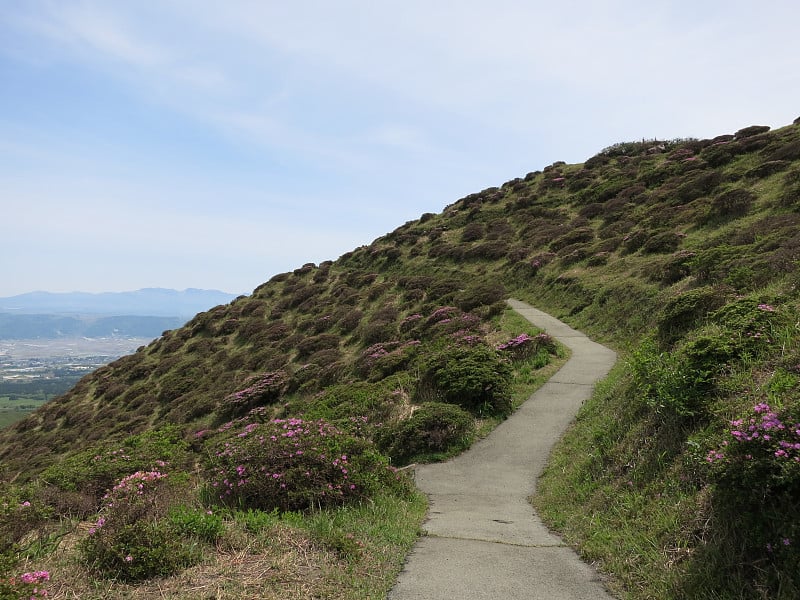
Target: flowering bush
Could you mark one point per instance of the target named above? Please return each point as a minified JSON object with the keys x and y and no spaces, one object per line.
{"x":384,"y":358}
{"x":524,"y":346}
{"x":259,"y":389}
{"x":96,"y":469}
{"x":293,"y":464}
{"x":761,"y":454}
{"x":25,"y":586}
{"x":132,"y":540}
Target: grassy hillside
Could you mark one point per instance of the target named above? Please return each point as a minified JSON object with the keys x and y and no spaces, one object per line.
{"x":680,"y":476}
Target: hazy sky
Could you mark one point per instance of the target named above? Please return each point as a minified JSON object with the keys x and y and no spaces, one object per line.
{"x":188,"y":143}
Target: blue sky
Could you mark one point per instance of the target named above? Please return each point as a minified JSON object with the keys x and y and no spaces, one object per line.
{"x":186,"y":143}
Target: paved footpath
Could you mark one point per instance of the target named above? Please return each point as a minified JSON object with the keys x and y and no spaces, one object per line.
{"x":482,"y":538}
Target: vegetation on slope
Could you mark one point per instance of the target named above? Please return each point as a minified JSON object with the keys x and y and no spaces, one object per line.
{"x":680,"y":477}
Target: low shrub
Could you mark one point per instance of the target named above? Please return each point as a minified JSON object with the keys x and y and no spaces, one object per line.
{"x":660,"y":243}
{"x":293,"y":464}
{"x":760,"y":455}
{"x":475,"y":377}
{"x":434,"y":429}
{"x":481,"y":293}
{"x":687,"y":310}
{"x":25,"y":586}
{"x":132,"y":540}
{"x":524,"y":346}
{"x":94,"y":470}
{"x":257,"y":391}
{"x":732,"y":203}
{"x":384,"y":358}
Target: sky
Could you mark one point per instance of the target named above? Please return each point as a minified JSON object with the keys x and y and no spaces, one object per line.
{"x":190,"y":143}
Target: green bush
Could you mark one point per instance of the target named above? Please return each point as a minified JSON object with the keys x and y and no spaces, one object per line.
{"x":668,"y":382}
{"x":475,"y":377}
{"x":132,"y":539}
{"x":195,"y":522}
{"x":686,"y":311}
{"x":94,"y":470}
{"x":435,"y":429}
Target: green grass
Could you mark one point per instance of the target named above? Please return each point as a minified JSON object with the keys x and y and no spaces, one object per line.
{"x":13,"y":409}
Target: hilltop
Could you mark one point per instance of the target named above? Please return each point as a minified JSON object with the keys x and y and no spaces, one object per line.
{"x":680,"y":476}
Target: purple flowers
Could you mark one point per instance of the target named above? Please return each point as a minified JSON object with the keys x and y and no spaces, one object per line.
{"x":763,"y":451}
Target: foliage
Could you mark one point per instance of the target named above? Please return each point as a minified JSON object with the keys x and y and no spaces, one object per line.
{"x":760,"y":456}
{"x":96,"y":469}
{"x":28,"y":585}
{"x":475,"y":377}
{"x":132,"y":539}
{"x":433,"y":429}
{"x":196,"y":522}
{"x":692,"y":240}
{"x":294,"y":464}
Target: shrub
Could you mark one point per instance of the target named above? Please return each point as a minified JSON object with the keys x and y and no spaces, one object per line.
{"x":732,"y":203}
{"x":475,"y":377}
{"x":489,"y":250}
{"x":676,"y":267}
{"x":667,"y":382}
{"x":131,"y":539}
{"x":666,"y":241}
{"x":258,"y":390}
{"x":384,"y":358}
{"x":196,"y":523}
{"x":24,"y":586}
{"x":294,"y":464}
{"x":482,"y":293}
{"x":324,"y":341}
{"x":760,"y":455}
{"x":752,"y":130}
{"x":94,"y":470}
{"x":525,"y":346}
{"x":434,"y":429}
{"x":768,"y":168}
{"x":472,"y":232}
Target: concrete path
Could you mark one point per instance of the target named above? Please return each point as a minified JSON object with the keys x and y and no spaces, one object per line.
{"x":483,"y":539}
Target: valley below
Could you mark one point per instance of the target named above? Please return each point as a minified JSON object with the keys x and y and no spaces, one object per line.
{"x":34,"y":371}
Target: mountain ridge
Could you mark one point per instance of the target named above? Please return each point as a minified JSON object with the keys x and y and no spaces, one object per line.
{"x":158,"y":302}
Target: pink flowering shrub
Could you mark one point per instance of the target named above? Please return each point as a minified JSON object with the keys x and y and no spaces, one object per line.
{"x":525,"y":346}
{"x":96,"y":469}
{"x":294,"y":464}
{"x":132,"y":538}
{"x":761,"y":453}
{"x":384,"y":358}
{"x":258,"y":390}
{"x":25,"y":586}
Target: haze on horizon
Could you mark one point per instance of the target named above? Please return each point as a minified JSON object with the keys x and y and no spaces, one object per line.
{"x":190,"y":145}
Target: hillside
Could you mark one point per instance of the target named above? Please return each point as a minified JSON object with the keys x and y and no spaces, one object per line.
{"x":680,"y":476}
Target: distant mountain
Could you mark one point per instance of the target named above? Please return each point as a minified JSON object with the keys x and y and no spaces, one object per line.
{"x":152,"y":302}
{"x":44,"y":326}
